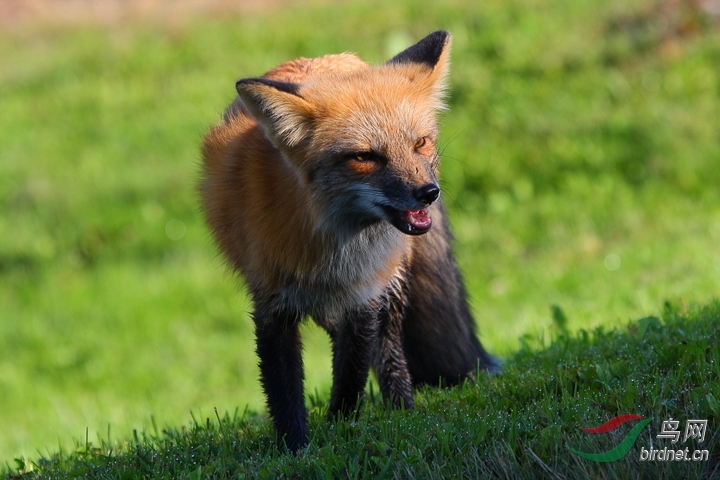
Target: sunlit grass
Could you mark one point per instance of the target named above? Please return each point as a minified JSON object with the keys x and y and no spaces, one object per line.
{"x":521,"y":424}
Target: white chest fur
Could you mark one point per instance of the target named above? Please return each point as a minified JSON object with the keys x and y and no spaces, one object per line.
{"x":348,"y":274}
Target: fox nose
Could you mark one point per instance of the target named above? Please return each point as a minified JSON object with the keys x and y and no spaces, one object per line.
{"x":427,"y":194}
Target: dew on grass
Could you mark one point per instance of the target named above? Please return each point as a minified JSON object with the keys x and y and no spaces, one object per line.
{"x":175,"y":229}
{"x":498,"y":287}
{"x":612,"y":262}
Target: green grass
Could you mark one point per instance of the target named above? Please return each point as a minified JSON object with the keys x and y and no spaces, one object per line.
{"x":579,"y":134}
{"x":520,"y":424}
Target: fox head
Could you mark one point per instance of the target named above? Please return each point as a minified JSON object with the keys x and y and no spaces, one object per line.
{"x":363,"y":142}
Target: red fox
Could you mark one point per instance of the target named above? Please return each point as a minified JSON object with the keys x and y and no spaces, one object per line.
{"x":320,"y":187}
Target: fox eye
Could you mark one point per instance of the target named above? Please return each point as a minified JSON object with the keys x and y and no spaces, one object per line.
{"x":365,"y":162}
{"x":363,"y":157}
{"x":423,"y":145}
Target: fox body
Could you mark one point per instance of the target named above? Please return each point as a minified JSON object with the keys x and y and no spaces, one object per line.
{"x":320,"y":187}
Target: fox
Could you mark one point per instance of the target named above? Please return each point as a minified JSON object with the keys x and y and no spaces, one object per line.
{"x":320,"y":188}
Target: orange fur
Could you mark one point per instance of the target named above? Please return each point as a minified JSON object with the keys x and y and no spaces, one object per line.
{"x":260,"y":205}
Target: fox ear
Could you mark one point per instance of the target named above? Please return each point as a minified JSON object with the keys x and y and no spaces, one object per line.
{"x":430,"y":58}
{"x":429,"y":51}
{"x":283,"y":114}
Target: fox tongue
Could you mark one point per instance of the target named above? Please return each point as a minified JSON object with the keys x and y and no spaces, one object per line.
{"x":418,"y":218}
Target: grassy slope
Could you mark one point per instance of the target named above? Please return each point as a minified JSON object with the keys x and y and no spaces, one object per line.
{"x":517,"y":425}
{"x":578,"y":131}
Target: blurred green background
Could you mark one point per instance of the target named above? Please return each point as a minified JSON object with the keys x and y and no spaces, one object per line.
{"x":581,"y":168}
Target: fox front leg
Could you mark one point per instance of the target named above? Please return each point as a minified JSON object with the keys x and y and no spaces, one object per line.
{"x":391,"y":367}
{"x":353,"y":349}
{"x":281,"y":372}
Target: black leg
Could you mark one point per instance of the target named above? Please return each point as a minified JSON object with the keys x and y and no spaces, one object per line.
{"x":391,"y":366}
{"x":281,"y":371}
{"x":353,"y":348}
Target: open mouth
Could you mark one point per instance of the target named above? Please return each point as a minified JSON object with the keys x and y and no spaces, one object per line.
{"x":409,"y":222}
